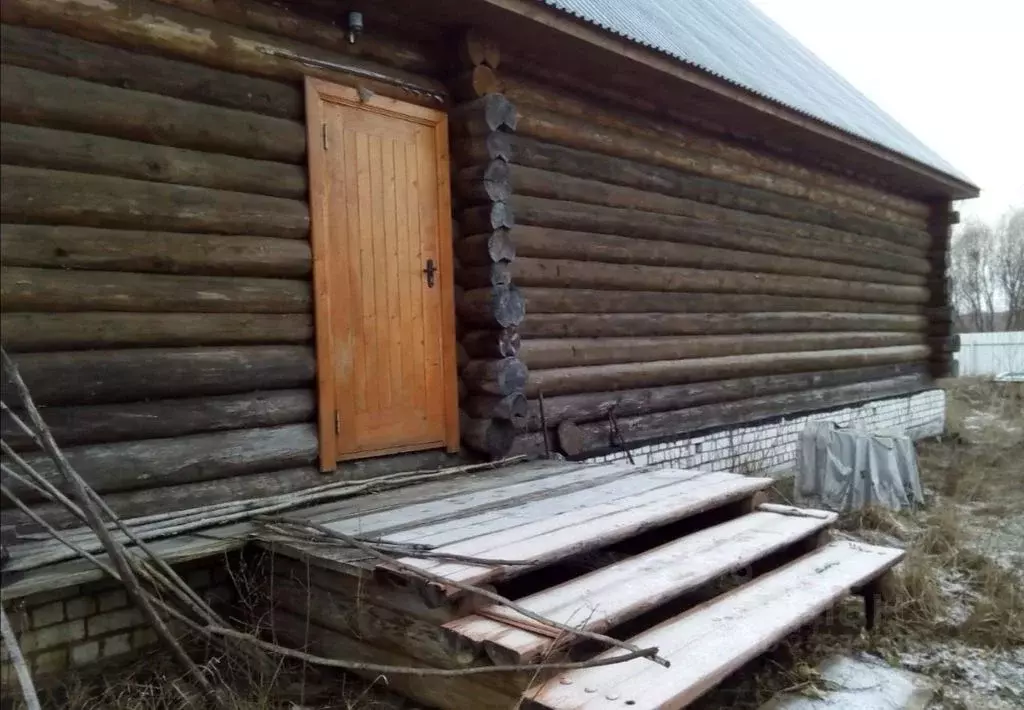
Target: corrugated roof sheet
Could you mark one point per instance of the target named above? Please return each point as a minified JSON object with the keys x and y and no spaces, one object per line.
{"x":735,"y":41}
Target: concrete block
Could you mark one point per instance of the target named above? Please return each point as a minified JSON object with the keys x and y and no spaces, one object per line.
{"x":48,"y":614}
{"x":80,"y":607}
{"x":50,"y":662}
{"x":85,"y":654}
{"x":113,"y":621}
{"x":114,"y":599}
{"x":118,"y":645}
{"x":52,"y":636}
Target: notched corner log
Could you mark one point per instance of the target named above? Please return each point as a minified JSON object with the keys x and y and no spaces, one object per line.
{"x":486,"y":218}
{"x":513,"y":408}
{"x":501,"y":377}
{"x":491,"y":307}
{"x":489,"y":113}
{"x":475,"y":83}
{"x":480,"y":149}
{"x":493,"y":437}
{"x":492,"y":344}
{"x":486,"y":248}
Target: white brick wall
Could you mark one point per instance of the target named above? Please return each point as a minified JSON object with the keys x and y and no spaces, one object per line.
{"x":770,"y":447}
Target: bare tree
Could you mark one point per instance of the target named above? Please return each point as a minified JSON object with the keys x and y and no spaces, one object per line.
{"x":987,"y":269}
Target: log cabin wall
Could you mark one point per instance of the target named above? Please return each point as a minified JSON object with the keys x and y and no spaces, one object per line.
{"x":155,"y":239}
{"x":664,"y":269}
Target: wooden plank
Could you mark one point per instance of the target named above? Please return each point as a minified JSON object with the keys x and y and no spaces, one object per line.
{"x":64,"y":247}
{"x":568,"y":533}
{"x":28,"y":289}
{"x":710,"y":641}
{"x":99,"y":376}
{"x":608,"y":596}
{"x":57,"y":197}
{"x":40,"y":99}
{"x":185,"y":459}
{"x":70,"y":56}
{"x":27,"y":332}
{"x":37,"y":147}
{"x":105,"y":423}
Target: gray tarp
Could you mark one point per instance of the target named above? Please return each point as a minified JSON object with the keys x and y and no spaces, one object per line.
{"x":846,"y":469}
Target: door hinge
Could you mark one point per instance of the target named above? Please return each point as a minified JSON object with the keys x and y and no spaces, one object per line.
{"x":323,"y":134}
{"x":337,"y":423}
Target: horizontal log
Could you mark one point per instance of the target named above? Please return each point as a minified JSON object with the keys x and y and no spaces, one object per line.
{"x":39,"y":99}
{"x":148,"y":501}
{"x":498,"y":377}
{"x":562,"y":273}
{"x":24,"y":289}
{"x":491,"y":344}
{"x":59,"y":197}
{"x":155,"y":27}
{"x":155,"y":463}
{"x":108,"y":376}
{"x":474,"y":150}
{"x":666,"y":181}
{"x":35,"y":147}
{"x":491,"y":307}
{"x":393,"y":50}
{"x":106,"y":423}
{"x":489,"y":113}
{"x":597,"y":436}
{"x":610,"y":325}
{"x":485,"y":182}
{"x":603,"y":378}
{"x":486,"y":218}
{"x":487,"y":248}
{"x":542,"y":242}
{"x":571,"y":440}
{"x":67,"y":247}
{"x":722,"y":159}
{"x":69,"y":56}
{"x":474,"y":83}
{"x":491,"y":437}
{"x":558,"y":186}
{"x":513,"y":408}
{"x":48,"y":332}
{"x":574,"y":352}
{"x":594,"y":406}
{"x":686,"y":230}
{"x":566,"y":300}
{"x":484,"y":276}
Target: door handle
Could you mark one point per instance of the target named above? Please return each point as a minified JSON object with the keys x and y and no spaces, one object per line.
{"x":430,"y":270}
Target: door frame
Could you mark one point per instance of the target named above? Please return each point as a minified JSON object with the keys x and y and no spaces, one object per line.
{"x":317,"y":93}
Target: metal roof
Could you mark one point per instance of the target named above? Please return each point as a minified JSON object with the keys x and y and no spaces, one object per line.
{"x":734,"y":41}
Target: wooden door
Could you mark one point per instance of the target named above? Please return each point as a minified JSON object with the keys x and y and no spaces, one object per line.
{"x":381,"y":231}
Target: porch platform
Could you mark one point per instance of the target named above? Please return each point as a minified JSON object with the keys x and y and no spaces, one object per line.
{"x":691,"y":562}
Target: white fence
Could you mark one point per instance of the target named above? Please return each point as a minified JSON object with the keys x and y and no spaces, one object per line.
{"x":991,"y":353}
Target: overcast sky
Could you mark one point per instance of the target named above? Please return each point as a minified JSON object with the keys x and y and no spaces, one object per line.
{"x":950,"y":71}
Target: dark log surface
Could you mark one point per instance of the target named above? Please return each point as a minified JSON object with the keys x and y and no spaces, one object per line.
{"x":559,"y":214}
{"x":107,"y":376}
{"x":41,"y":99}
{"x":603,"y":378}
{"x":490,"y":344}
{"x":595,"y":406}
{"x":541,"y":242}
{"x":491,"y":307}
{"x":60,"y":54}
{"x":722,"y":159}
{"x":568,"y":300}
{"x":513,"y":407}
{"x":36,"y":147}
{"x":611,"y":325}
{"x":497,"y":377}
{"x":598,"y":436}
{"x":486,"y":218}
{"x":618,"y":171}
{"x":493,"y":437}
{"x":488,"y":248}
{"x":186,"y":459}
{"x":25,"y":289}
{"x":573,"y":352}
{"x":562,"y":273}
{"x":105,"y":423}
{"x":48,"y":332}
{"x":58,"y":197}
{"x":67,"y":247}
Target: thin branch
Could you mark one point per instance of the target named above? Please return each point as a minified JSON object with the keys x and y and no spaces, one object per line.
{"x":28,"y":689}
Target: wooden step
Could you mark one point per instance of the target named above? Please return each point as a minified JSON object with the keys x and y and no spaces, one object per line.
{"x":537,"y":536}
{"x":708,"y":642}
{"x":613,"y":594}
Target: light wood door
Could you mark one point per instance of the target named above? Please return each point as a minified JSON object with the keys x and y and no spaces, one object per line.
{"x":381,"y":221}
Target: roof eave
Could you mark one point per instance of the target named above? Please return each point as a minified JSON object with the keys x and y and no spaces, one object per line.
{"x":951,"y":186}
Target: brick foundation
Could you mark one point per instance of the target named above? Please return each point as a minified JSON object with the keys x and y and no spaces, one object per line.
{"x":94,"y":623}
{"x":771,"y":446}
